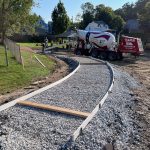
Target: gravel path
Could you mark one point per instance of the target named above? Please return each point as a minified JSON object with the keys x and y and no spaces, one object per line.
{"x":115,"y":123}
{"x":24,"y":128}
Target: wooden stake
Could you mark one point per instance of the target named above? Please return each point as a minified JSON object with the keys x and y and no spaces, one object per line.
{"x":39,"y":61}
{"x":55,"y":108}
{"x":6,"y":55}
{"x":22,"y":62}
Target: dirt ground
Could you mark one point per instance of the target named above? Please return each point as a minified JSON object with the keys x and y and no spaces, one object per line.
{"x":62,"y":69}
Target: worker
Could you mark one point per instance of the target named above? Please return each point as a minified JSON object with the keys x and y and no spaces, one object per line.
{"x":46,"y":42}
{"x":43,"y":47}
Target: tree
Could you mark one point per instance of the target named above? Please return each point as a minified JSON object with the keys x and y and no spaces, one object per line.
{"x":139,"y":10}
{"x":78,"y":18}
{"x":60,"y":19}
{"x":14,"y":14}
{"x":144,"y":14}
{"x":117,"y":23}
{"x":88,"y":14}
{"x":127,"y":11}
{"x":100,"y":13}
{"x":107,"y":15}
{"x":31,"y":24}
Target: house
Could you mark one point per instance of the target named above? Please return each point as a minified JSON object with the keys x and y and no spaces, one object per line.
{"x":97,"y":26}
{"x":132,"y":25}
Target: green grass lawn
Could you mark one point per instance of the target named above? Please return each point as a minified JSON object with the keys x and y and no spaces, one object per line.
{"x":14,"y":76}
{"x":31,"y":45}
{"x":35,"y":46}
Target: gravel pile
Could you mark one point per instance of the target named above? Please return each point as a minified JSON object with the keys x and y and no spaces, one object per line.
{"x":114,"y":124}
{"x":25,"y":128}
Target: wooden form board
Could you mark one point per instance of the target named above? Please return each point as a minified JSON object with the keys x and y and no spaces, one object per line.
{"x":55,"y":108}
{"x":91,"y":63}
{"x":39,"y":61}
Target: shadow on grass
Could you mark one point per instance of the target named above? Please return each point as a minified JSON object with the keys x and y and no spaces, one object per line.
{"x":3,"y":66}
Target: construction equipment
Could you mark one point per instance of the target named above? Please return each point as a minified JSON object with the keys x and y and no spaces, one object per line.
{"x":104,"y":45}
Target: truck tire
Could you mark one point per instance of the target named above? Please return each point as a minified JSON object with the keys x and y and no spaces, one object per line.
{"x":119,"y":56}
{"x":94,"y":53}
{"x":103,"y":55}
{"x":78,"y":52}
{"x":112,"y":56}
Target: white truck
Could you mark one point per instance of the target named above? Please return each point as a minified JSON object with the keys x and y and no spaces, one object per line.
{"x":104,"y":45}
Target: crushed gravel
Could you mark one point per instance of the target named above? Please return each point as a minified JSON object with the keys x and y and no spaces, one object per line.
{"x":25,"y":128}
{"x":115,"y":123}
{"x":79,"y":92}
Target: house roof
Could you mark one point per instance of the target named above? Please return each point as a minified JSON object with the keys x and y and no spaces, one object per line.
{"x":99,"y":22}
{"x":68,"y":33}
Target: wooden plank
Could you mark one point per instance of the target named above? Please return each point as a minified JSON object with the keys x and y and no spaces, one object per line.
{"x":39,"y":61}
{"x":55,"y":108}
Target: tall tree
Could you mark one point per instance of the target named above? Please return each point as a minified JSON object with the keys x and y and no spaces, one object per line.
{"x":100,"y":13}
{"x":127,"y":11}
{"x":60,"y":19}
{"x":139,"y":10}
{"x":107,"y":15}
{"x":88,"y":14}
{"x":31,"y":24}
{"x":13,"y":14}
{"x":117,"y":23}
{"x":143,"y":7}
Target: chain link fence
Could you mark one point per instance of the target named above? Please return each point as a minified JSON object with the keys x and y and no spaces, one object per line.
{"x":14,"y":49}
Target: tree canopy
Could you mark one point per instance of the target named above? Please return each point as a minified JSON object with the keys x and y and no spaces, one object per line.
{"x":139,"y":10}
{"x":143,"y":10}
{"x":60,"y":19}
{"x":127,"y":11}
{"x":100,"y":13}
{"x":14,"y":15}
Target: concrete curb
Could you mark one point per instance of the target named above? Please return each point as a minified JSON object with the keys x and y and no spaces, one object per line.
{"x":12,"y":103}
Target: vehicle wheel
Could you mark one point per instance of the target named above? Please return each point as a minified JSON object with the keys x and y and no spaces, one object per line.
{"x":94,"y":53}
{"x":78,"y":52}
{"x":103,"y":55}
{"x":112,"y":56}
{"x":119,"y":56}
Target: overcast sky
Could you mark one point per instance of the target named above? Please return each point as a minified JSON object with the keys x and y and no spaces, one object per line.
{"x":73,"y":7}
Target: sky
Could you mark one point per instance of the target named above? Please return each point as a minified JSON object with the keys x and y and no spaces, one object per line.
{"x":73,"y":7}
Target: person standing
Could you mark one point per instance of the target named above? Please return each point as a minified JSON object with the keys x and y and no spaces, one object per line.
{"x":46,"y":42}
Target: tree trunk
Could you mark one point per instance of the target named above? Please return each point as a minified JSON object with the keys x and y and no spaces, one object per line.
{"x":2,"y":17}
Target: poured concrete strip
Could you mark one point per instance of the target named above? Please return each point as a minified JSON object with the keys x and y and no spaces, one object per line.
{"x":98,"y":106}
{"x":12,"y":103}
{"x":55,"y":108}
